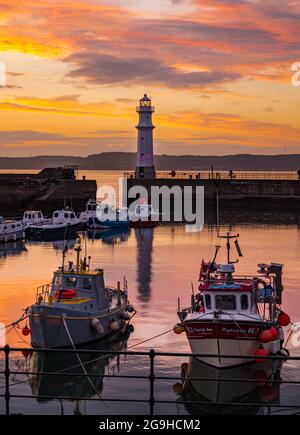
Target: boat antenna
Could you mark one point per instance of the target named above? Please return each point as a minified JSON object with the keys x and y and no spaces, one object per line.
{"x":192,"y":285}
{"x":218,"y":212}
{"x":78,"y":250}
{"x":216,"y":253}
{"x":237,"y":247}
{"x":64,"y":251}
{"x":228,"y":237}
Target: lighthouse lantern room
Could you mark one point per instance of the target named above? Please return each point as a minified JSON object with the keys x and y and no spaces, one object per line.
{"x":145,"y":166}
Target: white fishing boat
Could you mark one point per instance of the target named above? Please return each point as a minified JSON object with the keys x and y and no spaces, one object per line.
{"x":63,"y":224}
{"x":89,"y":212}
{"x":233,"y":315}
{"x":77,"y":308}
{"x":11,"y":230}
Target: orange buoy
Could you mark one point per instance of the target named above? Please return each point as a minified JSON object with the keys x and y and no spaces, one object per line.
{"x":274,"y":332}
{"x":265,"y":336}
{"x":284,"y":319}
{"x":178,"y":329}
{"x":26,"y":331}
{"x":260,"y":352}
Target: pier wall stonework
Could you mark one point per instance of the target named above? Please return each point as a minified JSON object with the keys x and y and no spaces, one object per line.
{"x":19,"y":194}
{"x":248,"y":197}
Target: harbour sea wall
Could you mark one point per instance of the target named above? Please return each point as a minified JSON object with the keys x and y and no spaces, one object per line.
{"x":50,"y":189}
{"x":274,"y":199}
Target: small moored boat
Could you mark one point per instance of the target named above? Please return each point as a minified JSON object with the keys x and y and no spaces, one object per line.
{"x":77,"y":308}
{"x":109,"y":218}
{"x":63,"y":224}
{"x":235,"y":316}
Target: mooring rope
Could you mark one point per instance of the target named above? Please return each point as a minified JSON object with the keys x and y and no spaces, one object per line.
{"x":82,"y":366}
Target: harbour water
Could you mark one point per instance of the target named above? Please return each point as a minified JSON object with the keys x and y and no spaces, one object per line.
{"x":159,"y":265}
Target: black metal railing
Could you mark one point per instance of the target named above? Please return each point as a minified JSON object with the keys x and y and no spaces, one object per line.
{"x":151,"y":378}
{"x":223,"y":175}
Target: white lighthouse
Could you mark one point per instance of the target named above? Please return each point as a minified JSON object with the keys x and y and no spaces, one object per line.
{"x":145,"y":166}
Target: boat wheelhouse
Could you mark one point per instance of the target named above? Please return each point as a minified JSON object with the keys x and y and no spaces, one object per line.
{"x":234,"y":318}
{"x":32,"y":217}
{"x":90,"y":211}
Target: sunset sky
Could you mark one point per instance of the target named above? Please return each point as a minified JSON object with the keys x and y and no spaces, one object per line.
{"x":218,"y":72}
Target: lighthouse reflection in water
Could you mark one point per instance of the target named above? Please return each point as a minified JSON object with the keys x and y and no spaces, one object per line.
{"x":144,"y":240}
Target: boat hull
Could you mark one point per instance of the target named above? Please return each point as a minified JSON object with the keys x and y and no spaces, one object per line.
{"x":109,"y":225}
{"x":54,"y":233}
{"x":144,"y":224}
{"x":224,"y":338}
{"x":48,"y":328}
{"x":12,"y":236}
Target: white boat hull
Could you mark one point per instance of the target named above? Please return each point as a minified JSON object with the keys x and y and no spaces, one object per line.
{"x":215,"y":346}
{"x":12,"y":236}
{"x":223,"y":338}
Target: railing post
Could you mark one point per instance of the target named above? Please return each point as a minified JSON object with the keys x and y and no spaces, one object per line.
{"x":7,"y":374}
{"x":151,"y":380}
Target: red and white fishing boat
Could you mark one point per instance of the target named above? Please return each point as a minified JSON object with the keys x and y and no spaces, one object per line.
{"x":235,"y":315}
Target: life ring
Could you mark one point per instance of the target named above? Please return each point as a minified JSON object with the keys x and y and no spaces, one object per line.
{"x":65,"y":294}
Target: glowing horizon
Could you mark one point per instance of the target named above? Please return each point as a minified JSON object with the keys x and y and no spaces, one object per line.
{"x":218,"y":72}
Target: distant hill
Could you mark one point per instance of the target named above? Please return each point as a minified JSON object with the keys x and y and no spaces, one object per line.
{"x":126,"y":161}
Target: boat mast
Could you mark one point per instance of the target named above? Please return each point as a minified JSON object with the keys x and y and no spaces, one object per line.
{"x":228,"y":237}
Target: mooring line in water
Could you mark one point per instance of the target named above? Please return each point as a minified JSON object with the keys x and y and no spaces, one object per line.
{"x":16,"y":330}
{"x":90,"y":361}
{"x":82,"y":366}
{"x":108,"y":354}
{"x":23,"y":317}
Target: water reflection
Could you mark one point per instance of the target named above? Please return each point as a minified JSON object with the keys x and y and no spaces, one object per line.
{"x":61,"y":245}
{"x":12,"y":248}
{"x":110,"y":237}
{"x":237,"y":390}
{"x":144,"y":239}
{"x":66,"y":383}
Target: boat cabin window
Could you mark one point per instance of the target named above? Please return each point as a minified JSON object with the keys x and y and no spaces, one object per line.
{"x":39,"y":215}
{"x":72,"y":215}
{"x":66,"y":215}
{"x":70,"y":281}
{"x":55,"y":214}
{"x":244,"y":302}
{"x":57,"y":281}
{"x":226,"y":302}
{"x":87,"y":284}
{"x":208,"y":302}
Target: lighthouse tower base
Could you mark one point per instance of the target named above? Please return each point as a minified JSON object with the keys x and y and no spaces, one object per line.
{"x":147,"y":172}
